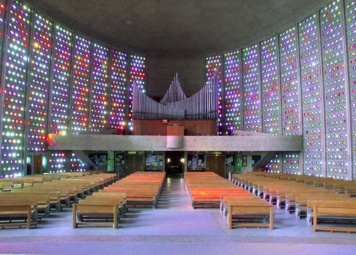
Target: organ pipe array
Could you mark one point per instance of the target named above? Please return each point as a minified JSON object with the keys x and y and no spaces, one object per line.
{"x":144,"y":107}
{"x":202,"y":105}
{"x":174,"y":93}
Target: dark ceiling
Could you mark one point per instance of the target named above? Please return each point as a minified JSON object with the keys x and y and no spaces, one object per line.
{"x":177,"y":27}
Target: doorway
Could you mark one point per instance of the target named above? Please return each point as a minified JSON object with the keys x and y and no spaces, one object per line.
{"x":29,"y":165}
{"x":38,"y":164}
{"x":216,"y":164}
{"x":174,"y":162}
{"x":134,"y":163}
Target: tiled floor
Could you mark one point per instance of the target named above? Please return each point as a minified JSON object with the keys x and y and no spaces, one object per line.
{"x":174,"y":228}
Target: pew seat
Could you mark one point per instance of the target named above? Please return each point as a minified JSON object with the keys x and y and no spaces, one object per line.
{"x":334,"y":216}
{"x":228,"y":200}
{"x":250,"y":214}
{"x":96,"y":212}
{"x":18,"y":214}
{"x":136,"y":197}
{"x":302,"y":202}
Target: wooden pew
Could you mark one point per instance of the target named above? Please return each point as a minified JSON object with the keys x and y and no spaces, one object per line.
{"x":73,"y":190}
{"x":227,"y":200}
{"x":266,"y":189}
{"x":54,"y":196}
{"x":136,"y":197}
{"x":341,"y":213}
{"x":18,"y":213}
{"x":290,"y":196}
{"x":250,"y":214}
{"x":351,"y":189}
{"x":117,"y":195}
{"x":64,"y":192}
{"x":138,"y":189}
{"x":142,"y":188}
{"x":205,"y":189}
{"x":86,"y":187}
{"x":312,"y":202}
{"x":154,"y":185}
{"x":301,"y":201}
{"x":210,"y":197}
{"x":41,"y":201}
{"x":285,"y":195}
{"x":96,"y":210}
{"x":6,"y":186}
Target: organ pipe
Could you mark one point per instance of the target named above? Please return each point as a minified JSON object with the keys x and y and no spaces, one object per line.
{"x":175,"y":104}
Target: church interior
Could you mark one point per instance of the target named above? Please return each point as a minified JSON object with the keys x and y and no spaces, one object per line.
{"x":148,"y":127}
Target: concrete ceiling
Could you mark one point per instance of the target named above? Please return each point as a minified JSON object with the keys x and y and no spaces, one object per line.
{"x":177,"y":27}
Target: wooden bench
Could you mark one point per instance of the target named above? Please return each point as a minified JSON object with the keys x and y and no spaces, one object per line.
{"x":142,"y":189}
{"x":97,"y":211}
{"x":211,"y":197}
{"x":93,"y":182}
{"x":136,"y":197}
{"x":73,"y":190}
{"x":86,"y":187}
{"x":115,"y":195}
{"x":302,"y":200}
{"x":156,"y":185}
{"x":41,"y":201}
{"x":64,"y":193}
{"x":351,"y":189}
{"x":205,"y":189}
{"x":290,"y":198}
{"x":312,"y":202}
{"x":275,"y":193}
{"x":341,"y":215}
{"x":226,"y":200}
{"x":284,"y":199}
{"x":6,"y":186}
{"x":267,"y":188}
{"x":53,"y":196}
{"x":18,"y":214}
{"x":250,"y":214}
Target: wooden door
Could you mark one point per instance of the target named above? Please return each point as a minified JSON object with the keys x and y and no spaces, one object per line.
{"x":133,"y":163}
{"x":216,"y":164}
{"x":38,"y":164}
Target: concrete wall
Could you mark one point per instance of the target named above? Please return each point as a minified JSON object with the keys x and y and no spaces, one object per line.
{"x":189,"y":143}
{"x":162,"y":69}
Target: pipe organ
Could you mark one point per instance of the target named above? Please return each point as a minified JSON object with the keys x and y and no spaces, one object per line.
{"x":175,"y":104}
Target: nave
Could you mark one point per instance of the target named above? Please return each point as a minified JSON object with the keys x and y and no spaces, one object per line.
{"x":174,"y":227}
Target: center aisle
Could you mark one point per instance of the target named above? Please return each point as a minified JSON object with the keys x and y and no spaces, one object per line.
{"x":174,"y":195}
{"x":173,"y":215}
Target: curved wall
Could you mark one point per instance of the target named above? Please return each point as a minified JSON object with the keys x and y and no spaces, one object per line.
{"x":57,"y":81}
{"x":301,"y":81}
